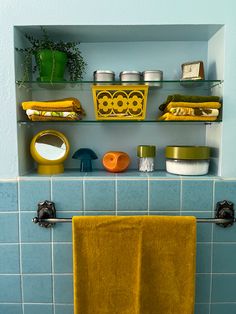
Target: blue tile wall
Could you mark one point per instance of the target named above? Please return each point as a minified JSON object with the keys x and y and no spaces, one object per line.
{"x":197,"y":195}
{"x":37,"y":288}
{"x":132,"y":195}
{"x":68,"y":194}
{"x":164,"y":195}
{"x":9,"y":259}
{"x":38,"y":309}
{"x":100,"y":195}
{"x":32,"y":192}
{"x":8,"y":196}
{"x":36,"y":273}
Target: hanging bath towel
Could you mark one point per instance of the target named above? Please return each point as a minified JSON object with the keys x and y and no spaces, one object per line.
{"x":134,"y":265}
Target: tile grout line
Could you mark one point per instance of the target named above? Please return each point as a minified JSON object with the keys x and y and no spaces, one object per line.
{"x":20,"y":249}
{"x":211,"y":248}
{"x":52,"y":253}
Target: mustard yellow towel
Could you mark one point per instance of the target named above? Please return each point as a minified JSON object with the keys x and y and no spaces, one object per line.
{"x":65,"y":104}
{"x":134,"y":265}
{"x":171,"y":117}
{"x":186,"y":111}
{"x":209,"y":104}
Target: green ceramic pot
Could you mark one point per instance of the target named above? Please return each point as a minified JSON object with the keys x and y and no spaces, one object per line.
{"x":51,"y":64}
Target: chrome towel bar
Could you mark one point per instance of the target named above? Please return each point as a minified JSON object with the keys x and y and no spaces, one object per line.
{"x":46,"y":215}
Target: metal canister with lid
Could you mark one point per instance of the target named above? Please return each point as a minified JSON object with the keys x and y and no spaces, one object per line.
{"x":127,"y":76}
{"x":187,"y":160}
{"x":104,"y":75}
{"x":146,"y":154}
{"x":153,"y":75}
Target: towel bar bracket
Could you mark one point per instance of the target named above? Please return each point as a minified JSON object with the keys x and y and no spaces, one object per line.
{"x":224,"y":215}
{"x":46,"y":210}
{"x":225,"y":210}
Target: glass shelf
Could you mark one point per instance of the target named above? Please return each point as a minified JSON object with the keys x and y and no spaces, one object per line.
{"x":118,"y":121}
{"x":165,"y":84}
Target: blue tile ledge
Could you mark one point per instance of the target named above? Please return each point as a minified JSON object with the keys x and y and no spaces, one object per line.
{"x":101,"y":174}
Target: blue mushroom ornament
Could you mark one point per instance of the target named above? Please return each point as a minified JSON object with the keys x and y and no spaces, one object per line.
{"x":85,"y":155}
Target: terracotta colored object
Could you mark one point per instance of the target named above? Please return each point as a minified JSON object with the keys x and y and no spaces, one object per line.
{"x":116,"y":161}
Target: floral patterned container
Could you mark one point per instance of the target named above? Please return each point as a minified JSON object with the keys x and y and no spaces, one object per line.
{"x":120,"y":102}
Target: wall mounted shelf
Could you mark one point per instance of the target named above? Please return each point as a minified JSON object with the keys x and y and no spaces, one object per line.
{"x":77,"y":85}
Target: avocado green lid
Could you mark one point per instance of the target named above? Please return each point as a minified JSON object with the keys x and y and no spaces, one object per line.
{"x":146,"y":151}
{"x":187,"y":152}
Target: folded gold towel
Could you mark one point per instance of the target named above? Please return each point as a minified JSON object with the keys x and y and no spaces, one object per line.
{"x":65,"y":104}
{"x":210,"y":104}
{"x":188,"y":98}
{"x":134,"y":265}
{"x":169,"y":116}
{"x":36,"y":115}
{"x":45,"y":118}
{"x":185,"y":111}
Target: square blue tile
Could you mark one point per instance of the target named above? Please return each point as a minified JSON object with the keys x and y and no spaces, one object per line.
{"x":203,"y":258}
{"x":197,"y":195}
{"x":64,"y":309}
{"x":223,"y":308}
{"x":201,"y":308}
{"x":224,"y":288}
{"x":9,"y":259}
{"x":99,"y":213}
{"x":32,"y":192}
{"x":8,"y":196}
{"x":10,"y":289}
{"x":164,"y":195}
{"x":63,"y":288}
{"x":36,"y":258}
{"x":31,"y":232}
{"x":132,"y":213}
{"x":67,"y":194}
{"x":164,"y":213}
{"x":132,"y":195}
{"x":99,"y":195}
{"x":11,"y":309}
{"x":37,"y":288}
{"x":224,"y":258}
{"x":62,"y":258}
{"x":204,"y":230}
{"x":224,"y":234}
{"x":62,"y":232}
{"x":9,"y":234}
{"x":202,"y":288}
{"x":225,"y":190}
{"x":38,"y":309}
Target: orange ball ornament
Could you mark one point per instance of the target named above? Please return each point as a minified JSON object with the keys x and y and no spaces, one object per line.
{"x":116,"y":161}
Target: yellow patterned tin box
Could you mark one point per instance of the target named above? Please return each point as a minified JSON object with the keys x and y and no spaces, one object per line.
{"x":120,"y":102}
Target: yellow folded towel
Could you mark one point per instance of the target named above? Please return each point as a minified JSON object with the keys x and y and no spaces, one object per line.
{"x":168,"y":116}
{"x":36,"y":115}
{"x":185,"y":111}
{"x":134,"y":265}
{"x":45,"y":118}
{"x":65,"y":104}
{"x":209,"y":104}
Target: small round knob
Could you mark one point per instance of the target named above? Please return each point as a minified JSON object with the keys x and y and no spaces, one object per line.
{"x":35,"y":220}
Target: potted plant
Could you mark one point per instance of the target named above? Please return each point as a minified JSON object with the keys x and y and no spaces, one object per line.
{"x":51,"y":59}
